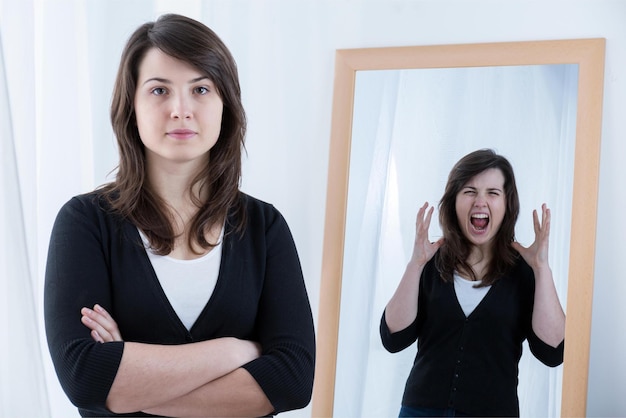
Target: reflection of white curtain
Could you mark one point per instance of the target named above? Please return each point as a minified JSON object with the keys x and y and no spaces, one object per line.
{"x":524,"y":113}
{"x":22,"y":384}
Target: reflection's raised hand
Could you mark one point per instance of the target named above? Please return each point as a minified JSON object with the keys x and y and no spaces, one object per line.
{"x":536,"y":255}
{"x":402,"y":307}
{"x":423,"y":248}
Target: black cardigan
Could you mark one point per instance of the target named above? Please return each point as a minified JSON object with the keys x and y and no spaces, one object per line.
{"x":95,"y":256}
{"x":470,"y":364}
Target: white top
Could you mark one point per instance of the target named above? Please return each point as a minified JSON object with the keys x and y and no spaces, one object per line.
{"x":188,"y":284}
{"x":468,"y":296}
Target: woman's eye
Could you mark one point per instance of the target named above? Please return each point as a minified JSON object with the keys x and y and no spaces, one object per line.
{"x":158,"y":91}
{"x":202,"y":90}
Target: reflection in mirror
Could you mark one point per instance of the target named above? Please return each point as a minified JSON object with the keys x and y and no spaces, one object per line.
{"x":409,"y":129}
{"x":436,"y":143}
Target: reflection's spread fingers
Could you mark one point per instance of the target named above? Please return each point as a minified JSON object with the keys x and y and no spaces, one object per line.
{"x":424,"y":249}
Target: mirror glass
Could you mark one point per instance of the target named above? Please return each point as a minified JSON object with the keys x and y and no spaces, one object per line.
{"x":409,"y":128}
{"x":401,"y":117}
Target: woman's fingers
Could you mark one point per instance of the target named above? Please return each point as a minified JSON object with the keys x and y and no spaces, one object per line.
{"x":103,"y":326}
{"x":423,"y":220}
{"x":544,"y":226}
{"x":423,"y":249}
{"x":97,"y":330}
{"x":96,"y":336}
{"x":537,"y":252}
{"x":545,"y":219}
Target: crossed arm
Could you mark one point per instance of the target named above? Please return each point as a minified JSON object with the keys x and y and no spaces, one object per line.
{"x":197,"y":379}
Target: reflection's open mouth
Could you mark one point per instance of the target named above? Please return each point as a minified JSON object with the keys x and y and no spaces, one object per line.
{"x":479,"y":221}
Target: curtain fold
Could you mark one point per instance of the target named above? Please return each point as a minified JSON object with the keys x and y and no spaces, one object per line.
{"x":362,"y":260}
{"x":22,"y":381}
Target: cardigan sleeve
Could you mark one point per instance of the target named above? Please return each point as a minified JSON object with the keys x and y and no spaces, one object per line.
{"x":545,"y":353}
{"x":76,"y":276}
{"x":284,"y":324}
{"x":397,"y":341}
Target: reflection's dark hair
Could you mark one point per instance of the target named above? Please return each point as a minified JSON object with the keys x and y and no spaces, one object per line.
{"x":194,"y":43}
{"x":456,"y":248}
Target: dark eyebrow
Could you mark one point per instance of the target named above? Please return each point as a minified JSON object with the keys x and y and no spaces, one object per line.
{"x":157,"y":79}
{"x":166,"y":81}
{"x":489,"y":189}
{"x":195,"y":80}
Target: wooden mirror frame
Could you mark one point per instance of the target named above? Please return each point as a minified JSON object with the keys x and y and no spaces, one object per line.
{"x":589,"y":55}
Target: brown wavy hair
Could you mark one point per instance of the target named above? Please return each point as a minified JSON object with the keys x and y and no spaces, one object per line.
{"x":456,"y":248}
{"x":130,"y":194}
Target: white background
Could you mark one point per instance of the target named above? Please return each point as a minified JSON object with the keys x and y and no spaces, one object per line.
{"x":64,"y":55}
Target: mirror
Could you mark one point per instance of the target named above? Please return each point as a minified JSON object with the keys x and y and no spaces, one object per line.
{"x":564,"y":61}
{"x":409,"y":128}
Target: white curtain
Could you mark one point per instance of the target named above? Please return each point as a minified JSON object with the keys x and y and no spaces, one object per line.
{"x":410,"y":127}
{"x":61,"y":58}
{"x":22,"y":384}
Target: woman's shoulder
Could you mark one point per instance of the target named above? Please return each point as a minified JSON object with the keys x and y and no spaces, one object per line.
{"x":253,"y":201}
{"x":261,"y":217}
{"x":431,"y":276}
{"x":521,"y":268}
{"x":256,"y":207}
{"x":520,"y":275}
{"x":91,"y":205}
{"x":93,"y":200}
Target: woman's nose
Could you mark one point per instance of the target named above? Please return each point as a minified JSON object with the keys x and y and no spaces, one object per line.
{"x":181,"y":108}
{"x":480,"y":200}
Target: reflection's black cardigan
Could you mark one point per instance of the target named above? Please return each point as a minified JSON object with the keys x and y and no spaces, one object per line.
{"x":470,"y":364}
{"x":97,"y":257}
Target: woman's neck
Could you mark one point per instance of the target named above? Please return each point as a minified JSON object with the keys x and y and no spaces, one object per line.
{"x":173,"y":182}
{"x":478,"y":260}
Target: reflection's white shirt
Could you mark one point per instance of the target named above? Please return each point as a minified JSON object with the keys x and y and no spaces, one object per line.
{"x":468,"y":296}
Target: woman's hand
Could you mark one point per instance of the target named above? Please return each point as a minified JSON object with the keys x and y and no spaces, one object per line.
{"x":423,"y":249}
{"x":103,"y":327}
{"x":536,"y":255}
{"x":548,"y":320}
{"x":401,"y":310}
{"x":226,"y":355}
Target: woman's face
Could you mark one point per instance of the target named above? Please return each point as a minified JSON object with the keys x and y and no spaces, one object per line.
{"x":178,"y":111}
{"x":480,"y":207}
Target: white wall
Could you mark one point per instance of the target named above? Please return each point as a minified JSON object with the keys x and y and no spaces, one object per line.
{"x":285,"y":51}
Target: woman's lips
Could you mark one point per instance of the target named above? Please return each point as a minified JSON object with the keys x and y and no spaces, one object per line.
{"x":181,"y":133}
{"x":479,"y":221}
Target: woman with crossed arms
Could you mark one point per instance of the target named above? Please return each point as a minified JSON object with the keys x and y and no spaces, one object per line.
{"x":191,"y":292}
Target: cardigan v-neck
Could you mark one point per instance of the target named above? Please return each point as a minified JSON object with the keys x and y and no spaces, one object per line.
{"x":96,"y":256}
{"x":467,"y":295}
{"x":470,"y":363}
